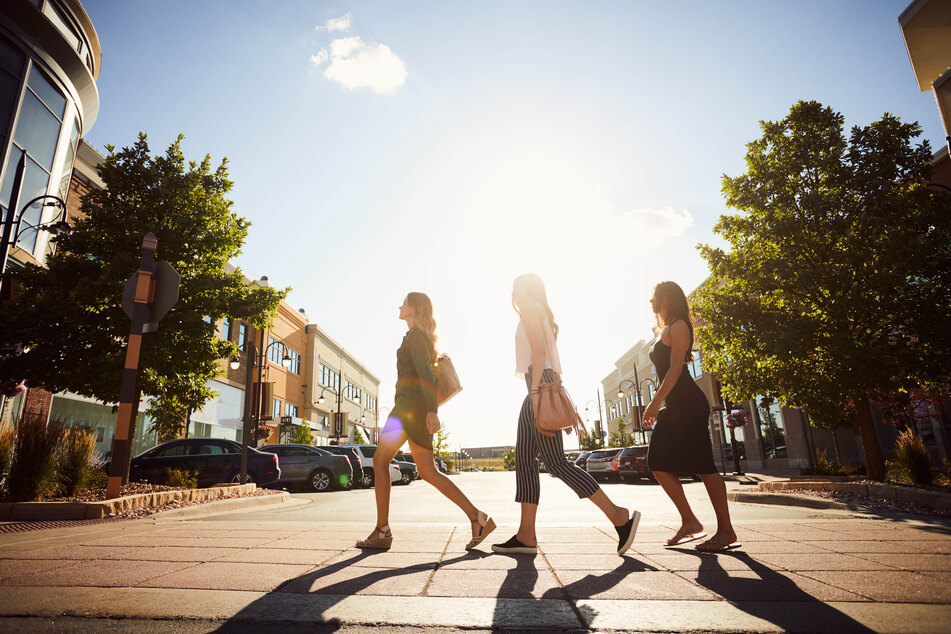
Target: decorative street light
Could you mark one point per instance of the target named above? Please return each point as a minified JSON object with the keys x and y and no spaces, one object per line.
{"x":321,"y":400}
{"x":637,"y":402}
{"x":254,"y":359}
{"x":11,"y":224}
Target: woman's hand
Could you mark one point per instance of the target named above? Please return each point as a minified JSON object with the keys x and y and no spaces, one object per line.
{"x":650,"y":414}
{"x":432,"y":422}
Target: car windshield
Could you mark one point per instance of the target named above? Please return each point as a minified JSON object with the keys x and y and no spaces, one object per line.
{"x":367,"y":450}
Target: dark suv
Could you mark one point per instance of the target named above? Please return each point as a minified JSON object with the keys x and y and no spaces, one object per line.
{"x":215,"y":459}
{"x":632,"y":464}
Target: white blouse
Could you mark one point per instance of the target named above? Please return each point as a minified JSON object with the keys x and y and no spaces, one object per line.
{"x":523,"y":350}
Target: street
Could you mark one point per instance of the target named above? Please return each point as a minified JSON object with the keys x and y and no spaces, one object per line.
{"x":266,"y":570}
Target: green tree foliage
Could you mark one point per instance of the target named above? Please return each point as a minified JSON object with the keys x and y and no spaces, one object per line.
{"x":591,"y":442}
{"x":508,"y":459}
{"x":302,"y":435}
{"x":68,"y":316}
{"x":621,"y":437}
{"x":835,"y":283}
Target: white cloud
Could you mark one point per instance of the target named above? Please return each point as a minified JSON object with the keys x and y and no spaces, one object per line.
{"x":358,"y":64}
{"x":336,"y":24}
{"x":660,"y":224}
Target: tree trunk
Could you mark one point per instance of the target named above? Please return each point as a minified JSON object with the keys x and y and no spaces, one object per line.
{"x":874,"y":461}
{"x":835,"y":446}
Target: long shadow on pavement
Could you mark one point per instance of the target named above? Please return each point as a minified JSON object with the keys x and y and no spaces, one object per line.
{"x":240,"y":621}
{"x":758,"y":596}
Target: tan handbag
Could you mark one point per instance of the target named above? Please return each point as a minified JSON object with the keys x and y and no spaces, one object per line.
{"x":447,"y":381}
{"x":556,"y":411}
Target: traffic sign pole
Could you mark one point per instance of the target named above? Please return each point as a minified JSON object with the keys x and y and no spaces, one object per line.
{"x":121,"y":442}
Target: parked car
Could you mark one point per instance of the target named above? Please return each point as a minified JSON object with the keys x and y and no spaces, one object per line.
{"x":214,"y":459}
{"x":408,"y":457}
{"x":601,"y":464}
{"x":364,"y":455}
{"x":312,"y":467}
{"x":408,"y":471}
{"x":632,"y":465}
{"x":582,"y":459}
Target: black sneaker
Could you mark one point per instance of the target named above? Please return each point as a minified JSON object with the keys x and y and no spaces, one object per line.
{"x":514,"y":547}
{"x":625,"y":533}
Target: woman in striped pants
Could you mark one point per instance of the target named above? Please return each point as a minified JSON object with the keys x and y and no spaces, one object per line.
{"x":536,"y":358}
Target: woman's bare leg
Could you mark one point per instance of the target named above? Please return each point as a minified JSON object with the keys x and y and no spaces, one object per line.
{"x":689,"y":523}
{"x":428,"y":472}
{"x":617,"y":515}
{"x":389,"y":444}
{"x":716,"y":489}
{"x":526,"y":525}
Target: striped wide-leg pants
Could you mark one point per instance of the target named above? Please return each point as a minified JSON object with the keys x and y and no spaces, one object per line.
{"x":530,"y":442}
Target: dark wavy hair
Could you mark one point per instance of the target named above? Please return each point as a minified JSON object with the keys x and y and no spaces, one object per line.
{"x":671,"y":299}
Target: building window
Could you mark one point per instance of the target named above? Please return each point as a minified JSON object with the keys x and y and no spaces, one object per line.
{"x":242,"y":335}
{"x":38,"y":128}
{"x":295,"y":361}
{"x":371,"y":403}
{"x":353,"y":392}
{"x":226,"y":330}
{"x":275,"y":352}
{"x":276,"y":408}
{"x":290,"y":410}
{"x":772,"y":429}
{"x":329,"y":378}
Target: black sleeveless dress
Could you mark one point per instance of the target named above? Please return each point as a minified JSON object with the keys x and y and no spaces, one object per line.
{"x":680,"y":442}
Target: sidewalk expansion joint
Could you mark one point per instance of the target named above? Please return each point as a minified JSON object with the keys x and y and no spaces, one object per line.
{"x":442,"y":555}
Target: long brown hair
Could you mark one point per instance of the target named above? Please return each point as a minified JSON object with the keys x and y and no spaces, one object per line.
{"x":535,"y":289}
{"x":670,"y":298}
{"x":423,"y":316}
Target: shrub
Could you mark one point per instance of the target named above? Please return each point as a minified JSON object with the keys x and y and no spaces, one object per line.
{"x":912,"y":459}
{"x":823,"y":467}
{"x":74,"y":458}
{"x":302,"y":435}
{"x":98,"y":479}
{"x":33,"y":470}
{"x":182,"y":478}
{"x":7,"y":437}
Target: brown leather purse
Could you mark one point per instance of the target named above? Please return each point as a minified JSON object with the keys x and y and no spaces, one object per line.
{"x":556,"y":412}
{"x":447,"y":381}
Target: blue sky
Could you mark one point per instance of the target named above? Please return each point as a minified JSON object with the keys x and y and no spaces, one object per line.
{"x":447,"y":147}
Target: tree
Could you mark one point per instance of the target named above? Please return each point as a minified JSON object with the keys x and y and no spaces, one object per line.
{"x":621,"y":437}
{"x":441,"y":442}
{"x":358,"y":438}
{"x":302,"y":435}
{"x":836,"y":282}
{"x":590,"y":442}
{"x":508,"y":459}
{"x":67,"y":317}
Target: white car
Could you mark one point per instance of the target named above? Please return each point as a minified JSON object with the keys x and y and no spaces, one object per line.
{"x":365,"y":454}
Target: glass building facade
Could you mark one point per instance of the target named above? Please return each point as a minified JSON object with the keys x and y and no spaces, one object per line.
{"x":49,"y":61}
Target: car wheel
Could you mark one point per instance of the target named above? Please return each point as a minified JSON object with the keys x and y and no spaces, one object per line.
{"x":236,"y":477}
{"x":346,"y":486}
{"x":405,"y":478}
{"x":368,"y":478}
{"x":319,"y":480}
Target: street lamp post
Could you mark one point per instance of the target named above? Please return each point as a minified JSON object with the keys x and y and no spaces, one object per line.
{"x":339,"y":394}
{"x":11,"y":224}
{"x":637,"y":400}
{"x":251,"y":352}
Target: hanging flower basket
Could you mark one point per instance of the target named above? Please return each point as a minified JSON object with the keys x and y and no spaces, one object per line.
{"x":262,"y":432}
{"x":736,"y":419}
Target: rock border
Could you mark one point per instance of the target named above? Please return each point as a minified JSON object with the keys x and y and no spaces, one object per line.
{"x":106,"y":508}
{"x":933,"y":499}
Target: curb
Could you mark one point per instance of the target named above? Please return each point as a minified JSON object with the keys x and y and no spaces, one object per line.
{"x":230,"y":505}
{"x":891,"y":492}
{"x":97,"y":510}
{"x":790,"y":499}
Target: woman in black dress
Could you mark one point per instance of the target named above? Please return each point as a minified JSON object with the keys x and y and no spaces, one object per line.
{"x":678,"y":413}
{"x":414,"y":418}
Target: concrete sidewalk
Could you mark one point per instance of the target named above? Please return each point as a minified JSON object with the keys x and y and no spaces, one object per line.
{"x":842,"y":575}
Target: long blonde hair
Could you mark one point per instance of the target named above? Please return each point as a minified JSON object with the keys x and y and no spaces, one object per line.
{"x":535,"y":289}
{"x":423,"y":316}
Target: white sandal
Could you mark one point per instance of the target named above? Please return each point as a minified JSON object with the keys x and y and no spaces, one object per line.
{"x":486,"y":526}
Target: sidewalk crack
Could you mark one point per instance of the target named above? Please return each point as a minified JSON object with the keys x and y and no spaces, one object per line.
{"x":442,"y":555}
